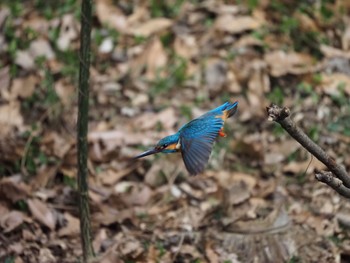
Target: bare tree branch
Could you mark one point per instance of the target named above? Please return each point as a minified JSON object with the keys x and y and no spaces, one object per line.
{"x":339,"y":179}
{"x":335,"y":183}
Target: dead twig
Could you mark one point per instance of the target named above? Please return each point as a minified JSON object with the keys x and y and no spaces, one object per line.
{"x":337,"y":178}
{"x":181,"y":241}
{"x":335,"y":183}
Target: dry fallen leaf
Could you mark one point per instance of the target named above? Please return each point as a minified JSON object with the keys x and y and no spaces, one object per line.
{"x":68,"y":32}
{"x":65,"y":91}
{"x":284,"y":148}
{"x":133,"y":194}
{"x":140,"y":13}
{"x":139,"y":100}
{"x":24,"y":59}
{"x":232,"y":24}
{"x":186,"y":46}
{"x":132,"y":247}
{"x":322,"y":226}
{"x":258,"y":85}
{"x":100,"y":237}
{"x":282,"y":63}
{"x":150,"y":27}
{"x":237,"y":194}
{"x":303,"y":167}
{"x":152,"y":177}
{"x":3,"y":208}
{"x":332,"y":52}
{"x":10,"y":117}
{"x":153,"y":57}
{"x":110,"y":176}
{"x":72,"y":227}
{"x":110,"y":256}
{"x":249,"y":40}
{"x":13,"y":189}
{"x":41,"y":48}
{"x":58,"y":144}
{"x":42,"y":213}
{"x":273,"y":158}
{"x":44,"y":175}
{"x":45,"y":256}
{"x":333,"y":83}
{"x":16,"y":248}
{"x":148,"y":121}
{"x":345,"y":40}
{"x":23,"y":87}
{"x":212,"y":256}
{"x":9,"y":221}
{"x":109,"y":216}
{"x":226,"y":179}
{"x":215,"y":75}
{"x":190,"y":250}
{"x":4,"y":81}
{"x":306,"y":22}
{"x":40,"y":25}
{"x":156,"y":59}
{"x":109,"y":14}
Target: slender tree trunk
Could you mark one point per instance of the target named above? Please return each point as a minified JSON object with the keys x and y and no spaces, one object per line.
{"x":83,"y":104}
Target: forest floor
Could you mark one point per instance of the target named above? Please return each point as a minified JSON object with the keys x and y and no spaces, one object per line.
{"x":155,"y":66}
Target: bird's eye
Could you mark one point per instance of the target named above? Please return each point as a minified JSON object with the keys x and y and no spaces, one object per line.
{"x":165,"y":145}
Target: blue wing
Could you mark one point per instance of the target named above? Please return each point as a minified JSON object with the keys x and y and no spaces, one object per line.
{"x":197,"y":138}
{"x":231,"y":108}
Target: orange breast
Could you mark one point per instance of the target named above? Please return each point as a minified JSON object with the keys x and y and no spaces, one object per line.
{"x":171,"y":146}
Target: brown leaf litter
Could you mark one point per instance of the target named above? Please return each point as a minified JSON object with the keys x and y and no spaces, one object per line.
{"x":165,"y":63}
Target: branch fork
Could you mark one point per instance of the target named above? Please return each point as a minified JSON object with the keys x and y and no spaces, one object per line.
{"x":337,"y":177}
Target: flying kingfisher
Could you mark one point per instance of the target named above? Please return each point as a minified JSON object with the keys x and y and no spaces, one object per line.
{"x":195,"y":139}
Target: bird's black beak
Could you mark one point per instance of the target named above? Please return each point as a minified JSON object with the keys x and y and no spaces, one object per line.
{"x":146,"y":153}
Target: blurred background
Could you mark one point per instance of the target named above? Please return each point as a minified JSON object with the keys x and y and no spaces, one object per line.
{"x":155,"y":66}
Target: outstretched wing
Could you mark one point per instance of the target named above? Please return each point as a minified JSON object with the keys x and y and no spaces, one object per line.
{"x":197,"y":138}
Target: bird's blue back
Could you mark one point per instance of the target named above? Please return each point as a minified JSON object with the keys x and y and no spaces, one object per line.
{"x":209,"y":122}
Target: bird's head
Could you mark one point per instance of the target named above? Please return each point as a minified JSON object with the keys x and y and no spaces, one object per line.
{"x":169,"y":144}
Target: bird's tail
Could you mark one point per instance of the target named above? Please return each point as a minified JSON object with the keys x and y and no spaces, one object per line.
{"x":232,"y":108}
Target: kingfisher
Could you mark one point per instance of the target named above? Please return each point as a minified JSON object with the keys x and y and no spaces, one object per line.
{"x":195,"y":139}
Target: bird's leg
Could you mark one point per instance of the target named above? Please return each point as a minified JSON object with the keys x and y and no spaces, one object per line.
{"x":222,"y":133}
